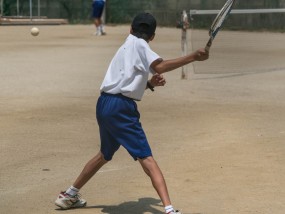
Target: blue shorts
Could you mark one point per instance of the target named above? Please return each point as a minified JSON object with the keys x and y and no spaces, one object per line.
{"x":118,"y":120}
{"x":98,"y":7}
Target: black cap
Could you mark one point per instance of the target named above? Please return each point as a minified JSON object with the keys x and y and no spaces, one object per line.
{"x":144,"y":23}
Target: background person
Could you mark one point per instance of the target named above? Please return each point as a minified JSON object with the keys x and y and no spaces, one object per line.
{"x":97,"y":11}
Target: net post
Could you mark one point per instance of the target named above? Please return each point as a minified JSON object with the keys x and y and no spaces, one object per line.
{"x":184,"y":42}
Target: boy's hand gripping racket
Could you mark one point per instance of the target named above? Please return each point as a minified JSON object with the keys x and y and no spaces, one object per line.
{"x":218,"y":21}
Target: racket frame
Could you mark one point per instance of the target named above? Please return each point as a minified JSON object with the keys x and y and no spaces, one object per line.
{"x":213,"y":31}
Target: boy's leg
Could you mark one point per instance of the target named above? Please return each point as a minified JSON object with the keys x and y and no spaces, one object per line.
{"x":71,"y":198}
{"x":98,"y":8}
{"x":97,"y":22}
{"x":89,"y":170}
{"x":153,"y":171}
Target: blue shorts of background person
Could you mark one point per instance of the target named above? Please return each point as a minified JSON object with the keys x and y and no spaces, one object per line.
{"x":98,"y":7}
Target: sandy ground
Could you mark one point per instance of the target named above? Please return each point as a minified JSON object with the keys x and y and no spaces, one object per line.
{"x":219,"y":139}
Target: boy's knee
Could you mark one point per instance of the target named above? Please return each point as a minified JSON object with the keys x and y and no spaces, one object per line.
{"x":148,"y":164}
{"x":102,"y":158}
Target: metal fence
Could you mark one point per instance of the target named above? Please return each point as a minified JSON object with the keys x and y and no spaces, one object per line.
{"x":167,"y":12}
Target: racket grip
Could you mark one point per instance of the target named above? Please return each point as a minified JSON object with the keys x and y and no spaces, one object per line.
{"x":209,"y":43}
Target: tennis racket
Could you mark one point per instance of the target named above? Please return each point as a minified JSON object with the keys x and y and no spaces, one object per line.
{"x":218,"y":21}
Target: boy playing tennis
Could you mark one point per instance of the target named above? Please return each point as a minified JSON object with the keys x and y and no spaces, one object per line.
{"x":117,"y":115}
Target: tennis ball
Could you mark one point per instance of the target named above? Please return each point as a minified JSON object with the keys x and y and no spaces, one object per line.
{"x":35,"y":31}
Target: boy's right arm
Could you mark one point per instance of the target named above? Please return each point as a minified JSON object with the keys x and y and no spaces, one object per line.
{"x":162,"y":66}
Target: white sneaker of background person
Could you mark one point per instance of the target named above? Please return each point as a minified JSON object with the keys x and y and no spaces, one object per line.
{"x":100,"y":31}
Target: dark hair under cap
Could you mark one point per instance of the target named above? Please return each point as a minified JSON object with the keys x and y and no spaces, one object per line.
{"x":144,"y":23}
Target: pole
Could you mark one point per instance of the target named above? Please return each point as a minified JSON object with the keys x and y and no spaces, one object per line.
{"x":31,"y":10}
{"x":18,"y":8}
{"x":39,"y":8}
{"x":1,"y":12}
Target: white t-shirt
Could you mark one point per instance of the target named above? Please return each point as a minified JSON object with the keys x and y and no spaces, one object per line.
{"x":129,"y":69}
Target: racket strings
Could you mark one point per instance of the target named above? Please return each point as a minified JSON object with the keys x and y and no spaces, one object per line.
{"x":220,"y":18}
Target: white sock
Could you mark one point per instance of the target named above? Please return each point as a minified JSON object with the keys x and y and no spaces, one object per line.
{"x":72,"y":191}
{"x":168,"y":209}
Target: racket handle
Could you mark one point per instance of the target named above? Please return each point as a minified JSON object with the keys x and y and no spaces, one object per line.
{"x":209,"y":44}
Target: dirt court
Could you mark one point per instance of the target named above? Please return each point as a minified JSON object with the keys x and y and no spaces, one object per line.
{"x":219,"y":139}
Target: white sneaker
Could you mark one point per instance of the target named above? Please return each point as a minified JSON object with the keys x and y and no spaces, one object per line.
{"x":65,"y":201}
{"x":99,"y":33}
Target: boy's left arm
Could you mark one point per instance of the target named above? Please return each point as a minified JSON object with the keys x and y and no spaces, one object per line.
{"x":162,"y":66}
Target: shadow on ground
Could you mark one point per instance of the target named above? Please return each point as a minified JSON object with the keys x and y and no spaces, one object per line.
{"x":143,"y":205}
